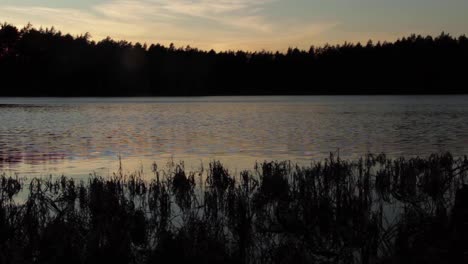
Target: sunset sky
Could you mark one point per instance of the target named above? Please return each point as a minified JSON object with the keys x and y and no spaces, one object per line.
{"x":242,"y":24}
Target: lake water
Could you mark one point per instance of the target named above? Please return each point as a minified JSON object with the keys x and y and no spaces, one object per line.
{"x":75,"y":137}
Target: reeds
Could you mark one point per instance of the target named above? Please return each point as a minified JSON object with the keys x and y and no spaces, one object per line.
{"x":373,"y":210}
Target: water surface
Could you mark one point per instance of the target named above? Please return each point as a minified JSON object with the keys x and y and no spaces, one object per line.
{"x":78,"y":136}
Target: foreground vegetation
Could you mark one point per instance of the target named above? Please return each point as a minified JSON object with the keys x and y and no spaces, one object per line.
{"x":46,"y":62}
{"x":372,"y":210}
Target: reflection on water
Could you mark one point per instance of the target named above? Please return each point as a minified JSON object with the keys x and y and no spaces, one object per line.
{"x":78,"y":136}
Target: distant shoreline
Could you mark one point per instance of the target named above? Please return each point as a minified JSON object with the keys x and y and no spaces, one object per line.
{"x":45,"y":62}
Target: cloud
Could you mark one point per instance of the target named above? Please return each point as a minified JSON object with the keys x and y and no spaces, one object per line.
{"x":218,"y":24}
{"x":237,"y":14}
{"x":69,"y":20}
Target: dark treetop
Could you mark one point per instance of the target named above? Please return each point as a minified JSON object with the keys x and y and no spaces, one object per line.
{"x":38,"y":62}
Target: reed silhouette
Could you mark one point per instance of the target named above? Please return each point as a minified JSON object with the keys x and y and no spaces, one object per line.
{"x":371,"y":210}
{"x":46,"y":62}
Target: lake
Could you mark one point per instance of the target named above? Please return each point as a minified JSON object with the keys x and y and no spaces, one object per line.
{"x":78,"y":136}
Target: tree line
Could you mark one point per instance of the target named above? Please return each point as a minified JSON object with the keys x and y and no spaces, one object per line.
{"x":47,"y":62}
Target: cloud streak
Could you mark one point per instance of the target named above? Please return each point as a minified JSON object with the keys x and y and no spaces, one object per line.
{"x":218,"y":24}
{"x":236,"y":14}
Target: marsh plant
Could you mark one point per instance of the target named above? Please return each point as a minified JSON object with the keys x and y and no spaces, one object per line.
{"x":371,"y":210}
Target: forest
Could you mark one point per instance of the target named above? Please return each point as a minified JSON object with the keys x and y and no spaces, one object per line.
{"x":47,"y":62}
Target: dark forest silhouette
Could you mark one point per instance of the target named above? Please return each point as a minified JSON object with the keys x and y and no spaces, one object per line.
{"x":45,"y":62}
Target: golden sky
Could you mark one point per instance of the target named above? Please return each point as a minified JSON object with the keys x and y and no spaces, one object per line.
{"x":242,"y":24}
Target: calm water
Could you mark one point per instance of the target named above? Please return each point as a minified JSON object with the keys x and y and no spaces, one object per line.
{"x":80,"y":136}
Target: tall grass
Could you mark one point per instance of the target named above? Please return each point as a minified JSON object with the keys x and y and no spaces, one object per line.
{"x":371,"y":210}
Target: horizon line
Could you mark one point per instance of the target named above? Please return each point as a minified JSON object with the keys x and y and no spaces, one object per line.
{"x":89,"y":37}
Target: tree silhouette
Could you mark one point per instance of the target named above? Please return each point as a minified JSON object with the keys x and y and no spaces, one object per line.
{"x":46,"y":62}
